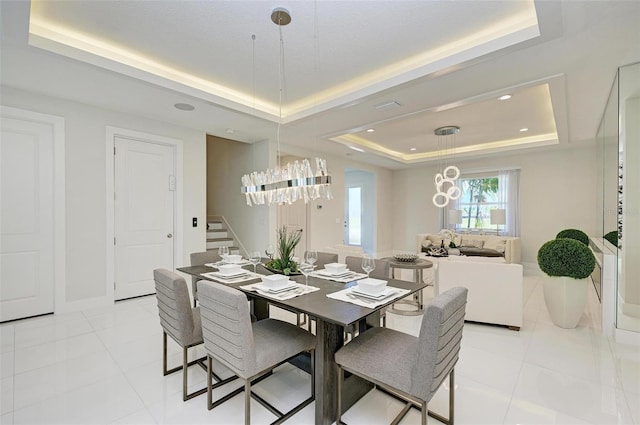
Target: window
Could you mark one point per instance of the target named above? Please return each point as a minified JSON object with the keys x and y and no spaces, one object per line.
{"x":478,"y":197}
{"x":482,"y":192}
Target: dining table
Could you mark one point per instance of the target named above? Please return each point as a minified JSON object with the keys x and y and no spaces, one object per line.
{"x":332,"y":317}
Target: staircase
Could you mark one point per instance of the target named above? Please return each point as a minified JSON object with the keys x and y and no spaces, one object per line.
{"x":218,"y":234}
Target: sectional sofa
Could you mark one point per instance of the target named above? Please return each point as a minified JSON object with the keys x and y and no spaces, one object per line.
{"x":474,"y":245}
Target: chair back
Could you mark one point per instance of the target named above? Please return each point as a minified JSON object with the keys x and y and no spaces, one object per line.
{"x":439,"y":342}
{"x":324,"y":258}
{"x":355,"y":264}
{"x":202,"y":258}
{"x":226,"y":327}
{"x":174,"y":306}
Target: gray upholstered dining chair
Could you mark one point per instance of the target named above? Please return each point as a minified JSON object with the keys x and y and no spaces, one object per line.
{"x":380,"y":272}
{"x":200,"y":259}
{"x":324,"y":258}
{"x":179,"y":321}
{"x":412,"y":367}
{"x":250,"y":350}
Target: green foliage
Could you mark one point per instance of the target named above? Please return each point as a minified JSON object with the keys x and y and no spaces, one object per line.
{"x":612,"y":237}
{"x":477,"y":189}
{"x":287,"y":243}
{"x":576,"y":234}
{"x":566,"y":257}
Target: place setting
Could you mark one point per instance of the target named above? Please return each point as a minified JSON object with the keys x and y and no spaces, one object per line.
{"x":279,"y":287}
{"x":338,"y":272}
{"x":369,"y":292}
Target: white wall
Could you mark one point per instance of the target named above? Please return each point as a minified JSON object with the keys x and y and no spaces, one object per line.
{"x":327,"y":224}
{"x":557,"y":190}
{"x":85,"y":138}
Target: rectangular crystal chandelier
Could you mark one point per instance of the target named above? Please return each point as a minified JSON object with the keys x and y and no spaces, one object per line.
{"x":287,"y":184}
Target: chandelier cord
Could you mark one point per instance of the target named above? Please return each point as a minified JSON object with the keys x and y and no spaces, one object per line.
{"x":296,"y":181}
{"x":280,"y":85}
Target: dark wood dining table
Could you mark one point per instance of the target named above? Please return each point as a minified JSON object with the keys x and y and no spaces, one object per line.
{"x":332,"y":317}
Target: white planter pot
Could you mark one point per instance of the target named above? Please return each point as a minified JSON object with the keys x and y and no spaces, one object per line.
{"x":565,"y":298}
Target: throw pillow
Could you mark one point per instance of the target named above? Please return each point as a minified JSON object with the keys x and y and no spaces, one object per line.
{"x":501,"y":247}
{"x":472,"y":243}
{"x":426,"y":243}
{"x":492,"y":243}
{"x":436,"y":240}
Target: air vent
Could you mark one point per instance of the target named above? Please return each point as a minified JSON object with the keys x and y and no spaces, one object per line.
{"x":387,"y":105}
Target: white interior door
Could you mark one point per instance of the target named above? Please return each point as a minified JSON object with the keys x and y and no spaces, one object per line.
{"x":26,"y":219}
{"x":294,"y":217}
{"x":144,"y":214}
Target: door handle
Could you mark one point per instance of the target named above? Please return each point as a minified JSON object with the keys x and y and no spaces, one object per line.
{"x":169,"y":235}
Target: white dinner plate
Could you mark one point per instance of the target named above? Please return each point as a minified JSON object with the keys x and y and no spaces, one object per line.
{"x":261,"y":287}
{"x":386,"y":293}
{"x":230,"y":276}
{"x":326,"y":272}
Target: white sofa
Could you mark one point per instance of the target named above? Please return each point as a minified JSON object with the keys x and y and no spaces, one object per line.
{"x":508,"y":244}
{"x":495,"y":289}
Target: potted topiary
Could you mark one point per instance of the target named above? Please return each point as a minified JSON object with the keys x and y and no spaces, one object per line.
{"x":568,"y":265}
{"x":576,"y":234}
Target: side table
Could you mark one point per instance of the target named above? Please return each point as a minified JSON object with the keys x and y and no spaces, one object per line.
{"x":417,"y":266}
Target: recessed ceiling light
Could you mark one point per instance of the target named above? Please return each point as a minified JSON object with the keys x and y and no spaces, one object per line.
{"x":370,"y":130}
{"x":412,"y":149}
{"x":184,"y":106}
{"x":356,"y":149}
{"x":505,"y":97}
{"x":524,"y":129}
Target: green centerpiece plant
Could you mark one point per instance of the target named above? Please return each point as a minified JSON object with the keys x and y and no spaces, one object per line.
{"x":287,"y":242}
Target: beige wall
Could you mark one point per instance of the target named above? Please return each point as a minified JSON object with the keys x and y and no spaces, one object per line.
{"x":227,"y":162}
{"x":557,"y":190}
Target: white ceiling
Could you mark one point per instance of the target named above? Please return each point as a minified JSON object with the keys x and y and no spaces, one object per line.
{"x":444,"y":62}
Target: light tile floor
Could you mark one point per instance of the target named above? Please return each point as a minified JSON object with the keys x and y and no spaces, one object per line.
{"x":104,"y":367}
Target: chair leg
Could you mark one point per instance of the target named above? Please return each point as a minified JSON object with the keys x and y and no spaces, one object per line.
{"x":340,"y":378}
{"x":313,"y":373}
{"x":247,"y":402}
{"x":424,"y":412}
{"x":185,"y":360}
{"x":451,"y":396}
{"x":209,"y":383}
{"x":164,"y":354}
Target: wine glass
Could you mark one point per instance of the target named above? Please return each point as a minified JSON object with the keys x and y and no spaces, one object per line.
{"x":306,"y":269}
{"x":254,"y":258}
{"x":223,"y":251}
{"x":270,"y":251}
{"x":311,"y":256}
{"x":368,"y":264}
